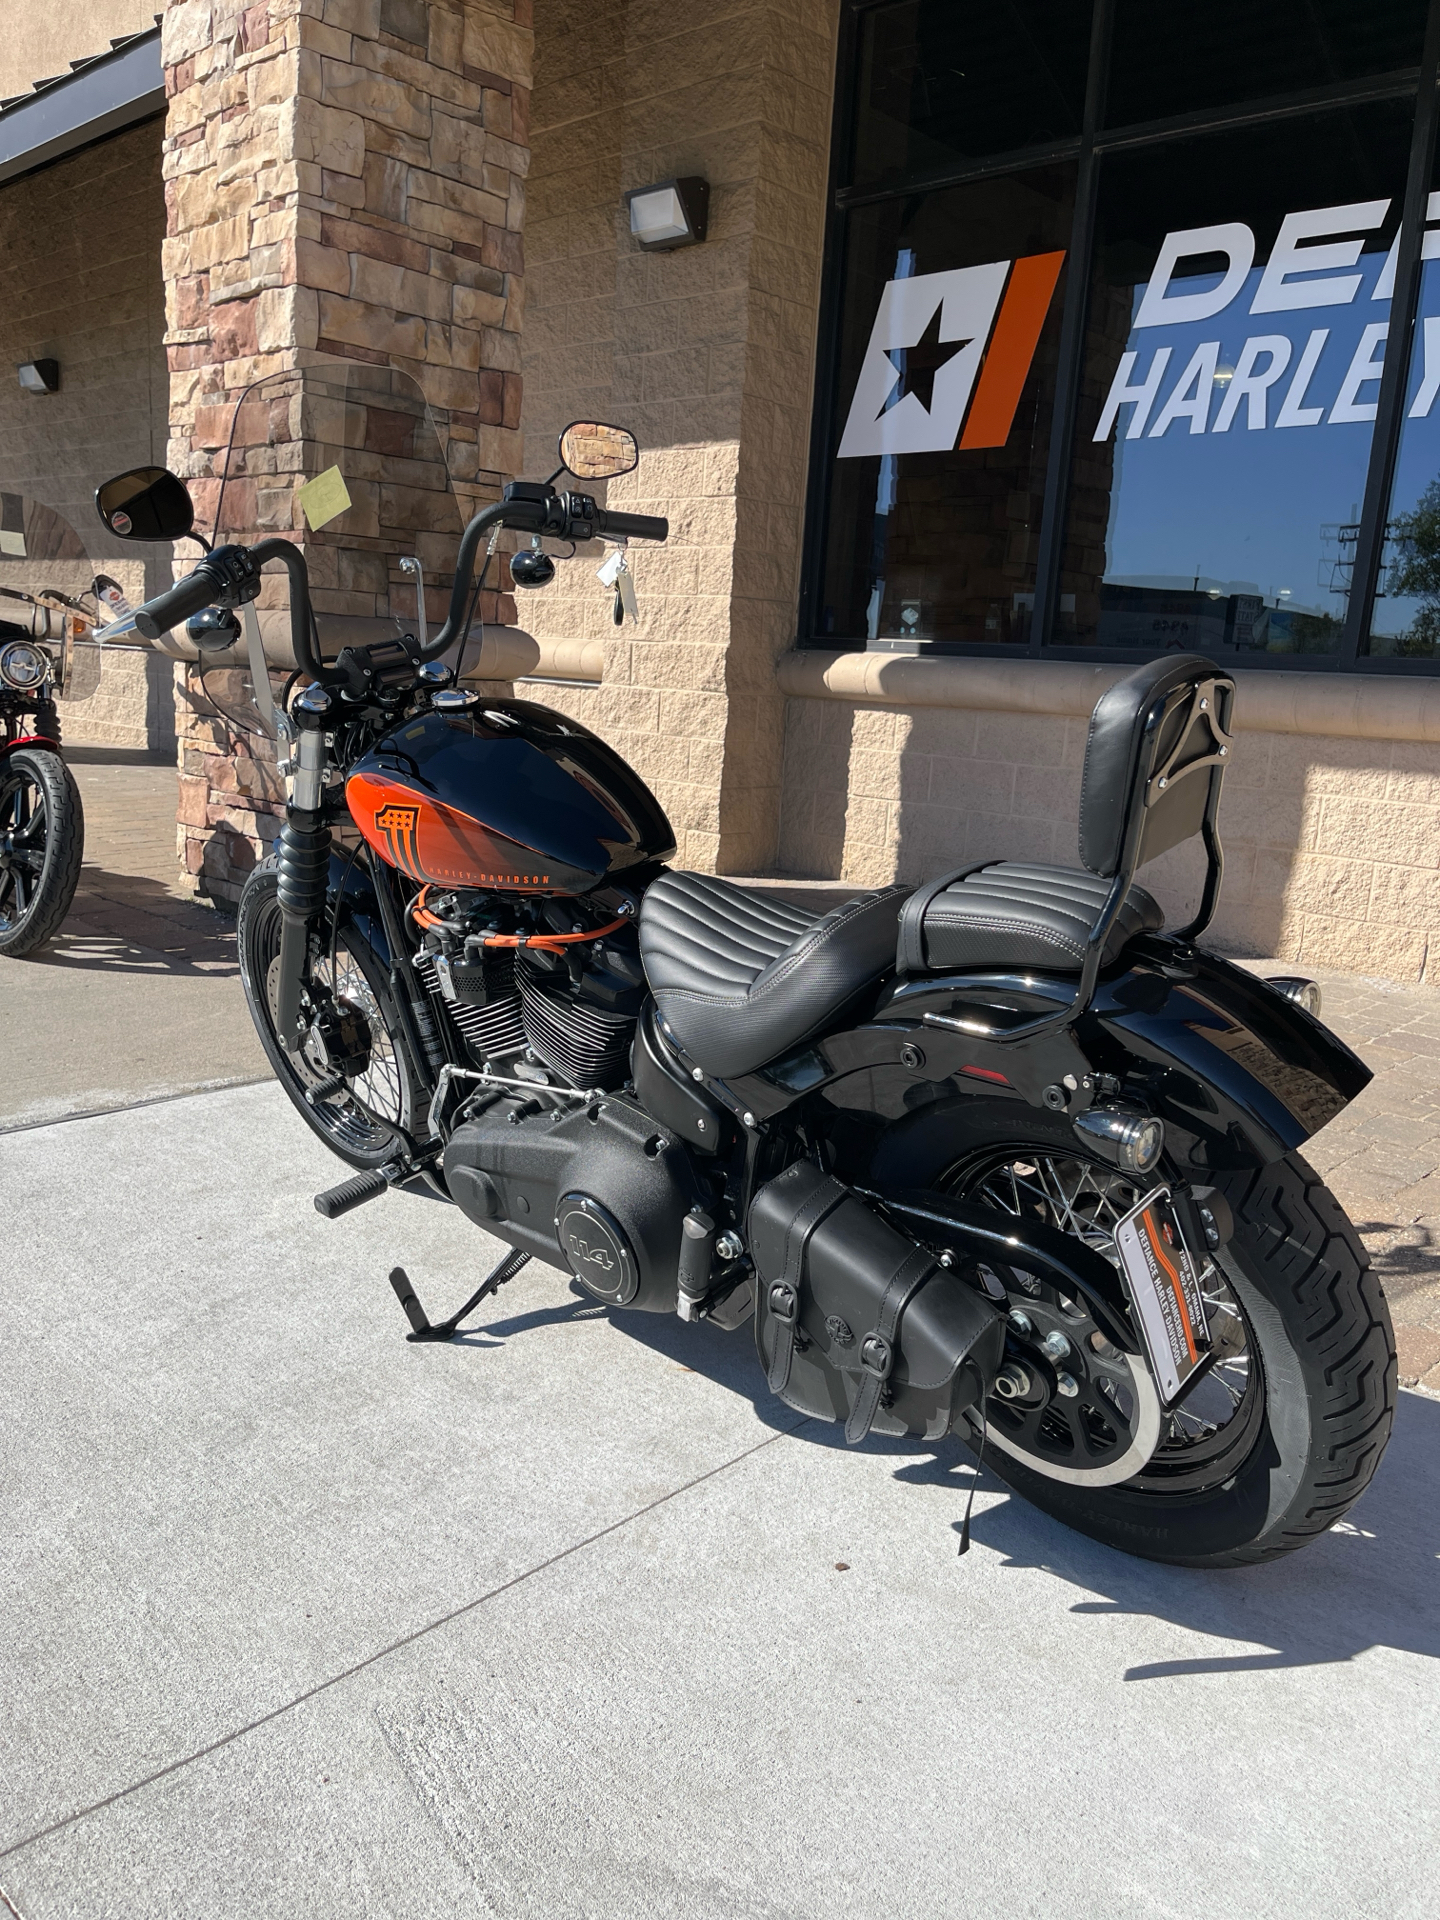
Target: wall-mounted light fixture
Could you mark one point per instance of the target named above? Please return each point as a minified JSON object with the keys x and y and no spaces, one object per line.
{"x":670,"y":214}
{"x":40,"y":376}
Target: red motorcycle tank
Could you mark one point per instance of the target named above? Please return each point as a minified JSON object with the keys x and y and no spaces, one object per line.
{"x":506,"y":796}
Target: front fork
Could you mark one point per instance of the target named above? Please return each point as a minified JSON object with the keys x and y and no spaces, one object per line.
{"x":304,"y":865}
{"x":304,"y":859}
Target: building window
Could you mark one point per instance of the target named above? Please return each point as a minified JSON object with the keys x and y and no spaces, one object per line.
{"x":950,"y":321}
{"x":1108,"y":308}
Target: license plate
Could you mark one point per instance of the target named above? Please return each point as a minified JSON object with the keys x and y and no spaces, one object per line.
{"x":1164,"y":1287}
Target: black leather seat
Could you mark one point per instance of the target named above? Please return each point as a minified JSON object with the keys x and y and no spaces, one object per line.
{"x":741,"y":978}
{"x":1013,"y":914}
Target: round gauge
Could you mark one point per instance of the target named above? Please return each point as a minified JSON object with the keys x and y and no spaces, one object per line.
{"x":22,"y":666}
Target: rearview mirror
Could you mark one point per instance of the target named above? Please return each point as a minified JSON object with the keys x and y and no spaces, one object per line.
{"x":148,"y":503}
{"x":592,"y":451}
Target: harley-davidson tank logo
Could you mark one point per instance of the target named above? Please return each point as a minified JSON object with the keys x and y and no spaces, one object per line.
{"x":398,"y":825}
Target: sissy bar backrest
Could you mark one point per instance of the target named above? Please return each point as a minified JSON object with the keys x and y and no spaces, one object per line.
{"x":1153,"y":735}
{"x":1154,"y":762}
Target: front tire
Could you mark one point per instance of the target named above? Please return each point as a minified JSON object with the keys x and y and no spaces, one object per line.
{"x":1312,"y":1379}
{"x":355,"y":1032}
{"x":42,"y":842}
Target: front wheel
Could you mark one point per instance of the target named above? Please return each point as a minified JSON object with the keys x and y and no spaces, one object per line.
{"x":351,"y":1080}
{"x":1276,"y":1439}
{"x":42,"y":842}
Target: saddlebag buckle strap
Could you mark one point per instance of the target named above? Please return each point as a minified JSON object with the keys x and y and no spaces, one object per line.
{"x":877,"y":1349}
{"x":877,"y":1356}
{"x":784,"y":1304}
{"x":782,"y":1300}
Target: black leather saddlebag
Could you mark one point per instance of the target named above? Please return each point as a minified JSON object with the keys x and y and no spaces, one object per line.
{"x":856,"y":1323}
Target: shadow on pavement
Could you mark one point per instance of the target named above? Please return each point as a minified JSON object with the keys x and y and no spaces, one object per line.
{"x":129,"y":923}
{"x":1372,"y":1581}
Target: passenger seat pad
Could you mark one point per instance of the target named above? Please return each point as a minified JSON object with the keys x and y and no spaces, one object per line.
{"x":1013,"y":914}
{"x":741,"y":978}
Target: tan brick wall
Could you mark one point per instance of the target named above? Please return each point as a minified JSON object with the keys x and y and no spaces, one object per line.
{"x":707,"y":353}
{"x":39,"y":38}
{"x":1332,"y":846}
{"x":80,"y":242}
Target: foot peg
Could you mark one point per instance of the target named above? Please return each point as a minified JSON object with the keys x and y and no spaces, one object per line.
{"x":351,"y":1194}
{"x":421,"y":1329}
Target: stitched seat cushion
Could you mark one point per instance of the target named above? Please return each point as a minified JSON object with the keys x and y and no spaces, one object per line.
{"x":741,"y":978}
{"x":1014,"y":914}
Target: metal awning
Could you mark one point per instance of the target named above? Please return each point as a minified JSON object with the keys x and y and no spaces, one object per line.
{"x":97,"y":97}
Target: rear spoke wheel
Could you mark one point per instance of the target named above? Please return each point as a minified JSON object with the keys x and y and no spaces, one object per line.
{"x":1091,"y":1415}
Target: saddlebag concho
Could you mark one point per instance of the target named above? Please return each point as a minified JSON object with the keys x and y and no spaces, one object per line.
{"x":854,"y":1322}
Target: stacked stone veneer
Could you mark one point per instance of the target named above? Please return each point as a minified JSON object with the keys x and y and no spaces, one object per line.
{"x":343,"y":178}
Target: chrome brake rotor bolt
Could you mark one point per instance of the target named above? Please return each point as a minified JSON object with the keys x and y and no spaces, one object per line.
{"x":1067,"y":1385}
{"x":1019,"y":1322}
{"x":1055,"y":1346}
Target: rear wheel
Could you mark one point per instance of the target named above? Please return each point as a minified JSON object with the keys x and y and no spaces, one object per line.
{"x":42,"y":842}
{"x":1274,"y":1440}
{"x":354,"y":1036}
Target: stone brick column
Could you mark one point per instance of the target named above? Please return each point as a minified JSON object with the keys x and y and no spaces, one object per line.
{"x":343,"y":178}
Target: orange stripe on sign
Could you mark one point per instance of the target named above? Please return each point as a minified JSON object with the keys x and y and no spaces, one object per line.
{"x":1012,"y":348}
{"x":1176,"y":1287}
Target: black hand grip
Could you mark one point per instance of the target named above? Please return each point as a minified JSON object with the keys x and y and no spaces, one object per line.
{"x":350,"y":1194}
{"x":167,"y":610}
{"x":634,"y":526}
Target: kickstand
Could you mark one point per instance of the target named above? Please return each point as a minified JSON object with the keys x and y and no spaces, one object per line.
{"x":447,"y":1329}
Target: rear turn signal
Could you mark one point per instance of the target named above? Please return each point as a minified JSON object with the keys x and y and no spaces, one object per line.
{"x":1305,"y":993}
{"x":1131,"y":1141}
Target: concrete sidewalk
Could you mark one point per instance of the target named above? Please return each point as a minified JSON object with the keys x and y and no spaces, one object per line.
{"x":139,"y":995}
{"x":572,"y":1619}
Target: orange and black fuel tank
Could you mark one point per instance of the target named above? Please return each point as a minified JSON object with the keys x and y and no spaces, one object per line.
{"x":505,"y":795}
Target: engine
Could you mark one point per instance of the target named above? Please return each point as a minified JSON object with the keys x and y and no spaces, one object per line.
{"x":597,"y":1184}
{"x":539,"y":987}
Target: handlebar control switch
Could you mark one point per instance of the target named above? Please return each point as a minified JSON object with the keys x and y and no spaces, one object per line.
{"x":235,"y":574}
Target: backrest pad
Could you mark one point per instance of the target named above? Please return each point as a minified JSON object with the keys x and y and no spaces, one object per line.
{"x":1168,"y":772}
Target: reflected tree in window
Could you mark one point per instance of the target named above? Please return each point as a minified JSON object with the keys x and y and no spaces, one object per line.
{"x":1414,"y":573}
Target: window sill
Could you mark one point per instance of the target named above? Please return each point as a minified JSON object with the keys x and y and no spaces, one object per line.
{"x":1347,"y":706}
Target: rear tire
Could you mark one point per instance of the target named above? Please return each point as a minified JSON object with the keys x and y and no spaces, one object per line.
{"x":356,"y":1030}
{"x":42,"y":843}
{"x":1321,"y":1352}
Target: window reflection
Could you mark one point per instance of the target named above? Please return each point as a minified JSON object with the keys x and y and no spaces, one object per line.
{"x":1405,"y":619}
{"x":1181,"y":59}
{"x":1236,"y":336}
{"x":940,"y":82}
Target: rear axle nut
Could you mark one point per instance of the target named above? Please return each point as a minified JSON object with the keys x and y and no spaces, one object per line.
{"x":1012,"y":1382}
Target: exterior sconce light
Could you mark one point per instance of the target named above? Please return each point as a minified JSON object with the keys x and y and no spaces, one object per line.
{"x":671,"y":214}
{"x":40,"y":376}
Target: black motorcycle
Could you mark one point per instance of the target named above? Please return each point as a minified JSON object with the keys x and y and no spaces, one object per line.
{"x":997,"y":1156}
{"x":55,"y":613}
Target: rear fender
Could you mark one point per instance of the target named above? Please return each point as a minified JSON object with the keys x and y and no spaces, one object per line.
{"x":1225,"y":1059}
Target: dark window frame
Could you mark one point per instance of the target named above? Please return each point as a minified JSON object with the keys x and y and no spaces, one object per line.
{"x":1094,"y":141}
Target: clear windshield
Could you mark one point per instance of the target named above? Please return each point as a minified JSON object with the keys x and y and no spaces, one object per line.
{"x":54,"y":592}
{"x":348,"y":458}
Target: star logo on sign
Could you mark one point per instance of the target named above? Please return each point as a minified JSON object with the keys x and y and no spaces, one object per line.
{"x":916,"y":366}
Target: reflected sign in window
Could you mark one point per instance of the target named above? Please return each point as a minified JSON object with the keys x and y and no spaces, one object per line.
{"x":1239,"y":318}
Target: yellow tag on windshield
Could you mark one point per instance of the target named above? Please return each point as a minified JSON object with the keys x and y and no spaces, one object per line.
{"x":324,"y":499}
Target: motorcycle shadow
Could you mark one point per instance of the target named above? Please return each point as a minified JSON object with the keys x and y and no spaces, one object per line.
{"x":1372,"y":1581}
